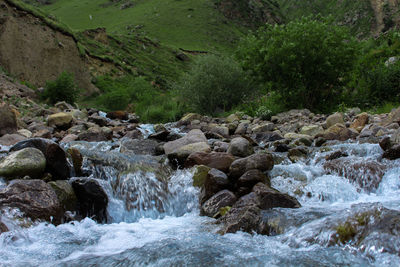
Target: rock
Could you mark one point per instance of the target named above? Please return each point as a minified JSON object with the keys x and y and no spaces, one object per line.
{"x":77,"y":160}
{"x":188,"y":118}
{"x":118,"y":115}
{"x":60,"y":120}
{"x":44,"y":133}
{"x":232,"y":118}
{"x":26,"y":162}
{"x":245,"y":218}
{"x":360,"y":121}
{"x":200,"y":175}
{"x":218,"y":160}
{"x":266,"y":127}
{"x":65,"y":194}
{"x":92,"y":199}
{"x":282,"y":148}
{"x":220,"y":146}
{"x":221,"y":130}
{"x":394,"y":117}
{"x":266,"y":137}
{"x":366,"y":173}
{"x":336,"y":155}
{"x":56,"y":160}
{"x":386,"y":143}
{"x":93,"y":134}
{"x":215,"y":182}
{"x":339,"y":132}
{"x":161,"y":136}
{"x":320,"y":141}
{"x":25,"y":133}
{"x":211,"y":207}
{"x":392,"y":153}
{"x":8,"y":120}
{"x":251,"y":178}
{"x":296,"y":154}
{"x":334,"y":119}
{"x":181,"y":154}
{"x":139,"y":147}
{"x":33,"y":197}
{"x":99,"y":120}
{"x":11,"y":139}
{"x":69,"y":138}
{"x":311,"y":130}
{"x":242,"y":128}
{"x":3,"y":228}
{"x":262,"y":162}
{"x":194,"y":136}
{"x":270,"y":198}
{"x":240,"y":147}
{"x":292,"y":136}
{"x":63,"y":105}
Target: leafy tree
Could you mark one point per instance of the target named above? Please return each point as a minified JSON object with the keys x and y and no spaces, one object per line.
{"x":213,"y":84}
{"x":304,"y":61}
{"x":61,"y":89}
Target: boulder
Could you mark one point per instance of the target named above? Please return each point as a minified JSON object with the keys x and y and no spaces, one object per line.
{"x":270,"y":198}
{"x":392,"y":153}
{"x":242,"y":128}
{"x":240,"y":147}
{"x":218,"y":160}
{"x":360,"y":121}
{"x":334,"y":119}
{"x":251,"y":178}
{"x":220,"y":130}
{"x":93,"y":134}
{"x":200,"y":175}
{"x":3,"y":228}
{"x":292,"y":136}
{"x":262,"y":162}
{"x":232,"y":118}
{"x":92,"y":199}
{"x":296,"y":154}
{"x":8,"y":120}
{"x":77,"y":160}
{"x":181,"y":154}
{"x":33,"y":197}
{"x":11,"y":139}
{"x":118,"y":115}
{"x":139,"y":147}
{"x":26,"y":162}
{"x":266,"y":127}
{"x":215,"y":182}
{"x":311,"y":130}
{"x":266,"y":137}
{"x":99,"y":120}
{"x":65,"y":194}
{"x":212,"y":206}
{"x":188,"y":118}
{"x":194,"y":136}
{"x":339,"y":132}
{"x":386,"y":143}
{"x":394,"y":117}
{"x":60,"y":120}
{"x":56,"y":160}
{"x":25,"y":133}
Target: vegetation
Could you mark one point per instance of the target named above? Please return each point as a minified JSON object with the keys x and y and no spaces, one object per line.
{"x":303,"y":61}
{"x":214,"y":84}
{"x":61,"y":89}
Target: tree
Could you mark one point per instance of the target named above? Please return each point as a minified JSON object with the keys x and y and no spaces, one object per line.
{"x":304,"y":61}
{"x":213,"y":84}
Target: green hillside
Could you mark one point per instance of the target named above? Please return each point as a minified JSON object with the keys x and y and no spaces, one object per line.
{"x":189,"y":24}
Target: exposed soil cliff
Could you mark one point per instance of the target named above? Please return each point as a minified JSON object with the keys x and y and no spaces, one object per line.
{"x":32,"y":51}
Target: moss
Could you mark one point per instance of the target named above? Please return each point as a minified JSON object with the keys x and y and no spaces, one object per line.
{"x":223,"y":211}
{"x":346,"y":232}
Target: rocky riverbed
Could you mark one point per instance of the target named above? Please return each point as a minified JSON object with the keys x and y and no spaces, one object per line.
{"x":87,"y":187}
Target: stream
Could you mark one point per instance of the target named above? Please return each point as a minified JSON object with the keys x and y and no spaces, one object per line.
{"x":154,"y":218}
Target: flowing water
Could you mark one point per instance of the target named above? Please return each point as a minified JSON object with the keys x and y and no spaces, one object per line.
{"x":154,"y":219}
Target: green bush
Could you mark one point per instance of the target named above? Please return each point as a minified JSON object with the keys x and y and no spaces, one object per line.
{"x":304,"y":61}
{"x":61,"y":89}
{"x":115,"y":100}
{"x":213,"y":84}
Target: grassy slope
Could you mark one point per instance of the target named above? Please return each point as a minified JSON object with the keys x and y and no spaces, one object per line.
{"x":188,"y":24}
{"x":357,"y":14}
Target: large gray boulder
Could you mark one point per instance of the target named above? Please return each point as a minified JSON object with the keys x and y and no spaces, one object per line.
{"x":26,"y":162}
{"x":33,"y":197}
{"x":240,"y":147}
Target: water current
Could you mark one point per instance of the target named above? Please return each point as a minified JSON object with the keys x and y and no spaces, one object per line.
{"x":154,"y":218}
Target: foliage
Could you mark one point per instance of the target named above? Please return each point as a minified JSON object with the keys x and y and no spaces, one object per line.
{"x":61,"y":89}
{"x":304,"y":61}
{"x":138,"y":95}
{"x":214,"y":84}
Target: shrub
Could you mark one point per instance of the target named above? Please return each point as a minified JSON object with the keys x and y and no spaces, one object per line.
{"x":213,"y":84}
{"x":115,"y":100}
{"x":61,"y":89}
{"x":304,"y":61}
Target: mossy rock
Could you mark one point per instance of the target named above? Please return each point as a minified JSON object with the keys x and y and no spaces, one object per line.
{"x":65,"y":194}
{"x":200,"y":175}
{"x":26,"y":162}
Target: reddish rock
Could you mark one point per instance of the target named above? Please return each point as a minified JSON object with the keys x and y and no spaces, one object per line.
{"x":218,"y":160}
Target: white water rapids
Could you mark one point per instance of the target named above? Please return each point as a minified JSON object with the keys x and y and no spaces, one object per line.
{"x":156,"y":222}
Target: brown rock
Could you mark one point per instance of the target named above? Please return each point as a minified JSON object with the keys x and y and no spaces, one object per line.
{"x":220,"y":200}
{"x":33,"y":197}
{"x":11,"y":139}
{"x":392,"y":153}
{"x":262,"y":162}
{"x":118,"y":115}
{"x":218,"y":160}
{"x":8,"y":120}
{"x":251,"y":178}
{"x":215,"y":182}
{"x":360,"y":121}
{"x":270,"y":198}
